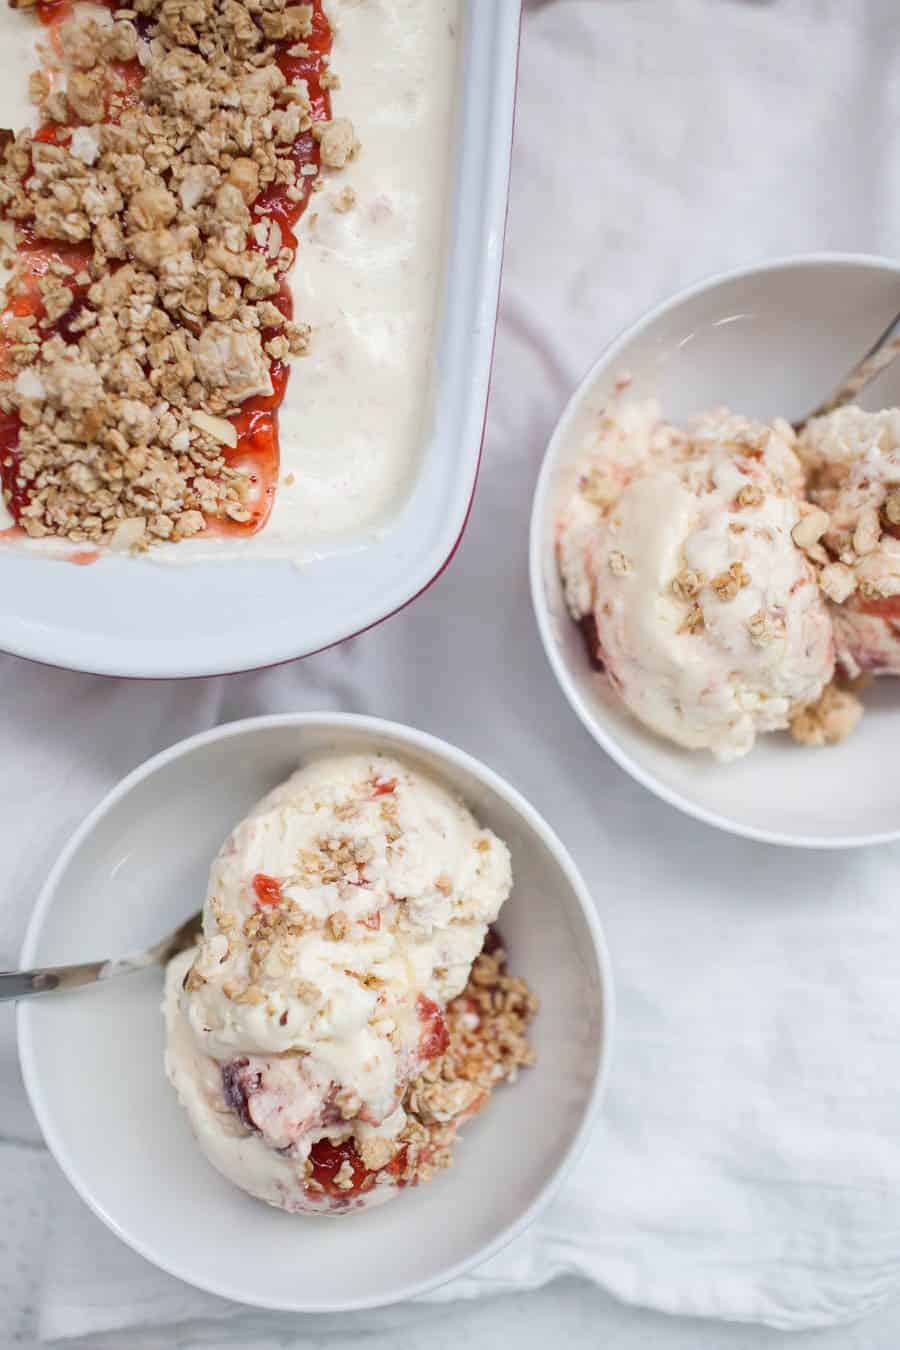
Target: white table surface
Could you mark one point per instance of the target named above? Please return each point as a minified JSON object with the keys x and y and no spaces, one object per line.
{"x":789,"y":203}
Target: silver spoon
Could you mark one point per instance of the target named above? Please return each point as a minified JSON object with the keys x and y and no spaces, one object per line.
{"x":26,"y":983}
{"x":879,"y":356}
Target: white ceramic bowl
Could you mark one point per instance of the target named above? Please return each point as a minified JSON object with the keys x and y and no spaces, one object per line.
{"x":93,"y":1066}
{"x":765,"y":340}
{"x":134,"y":617}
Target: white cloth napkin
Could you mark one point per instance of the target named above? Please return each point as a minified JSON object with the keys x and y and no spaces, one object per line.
{"x":748,"y":1165}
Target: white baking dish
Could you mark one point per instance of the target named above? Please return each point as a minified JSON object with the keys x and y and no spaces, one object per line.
{"x":137,"y":617}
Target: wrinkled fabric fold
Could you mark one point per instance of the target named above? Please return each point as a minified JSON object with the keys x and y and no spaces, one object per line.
{"x":747,"y":1165}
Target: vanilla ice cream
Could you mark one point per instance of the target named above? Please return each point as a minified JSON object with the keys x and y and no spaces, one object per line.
{"x":676,"y":551}
{"x":853,"y":461}
{"x":342,"y":915}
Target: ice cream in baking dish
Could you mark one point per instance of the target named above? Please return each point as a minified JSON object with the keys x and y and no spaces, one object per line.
{"x":688,"y":557}
{"x":340,"y":1018}
{"x":192,"y":204}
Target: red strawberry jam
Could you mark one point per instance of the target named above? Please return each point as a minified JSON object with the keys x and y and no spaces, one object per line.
{"x":268,"y":891}
{"x":434,"y":1038}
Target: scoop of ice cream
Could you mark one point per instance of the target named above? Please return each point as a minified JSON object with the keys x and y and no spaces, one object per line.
{"x":342,"y":915}
{"x":853,"y":461}
{"x":677,"y":548}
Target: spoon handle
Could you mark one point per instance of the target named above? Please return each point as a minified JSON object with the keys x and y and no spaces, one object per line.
{"x":879,"y":356}
{"x":15,"y":984}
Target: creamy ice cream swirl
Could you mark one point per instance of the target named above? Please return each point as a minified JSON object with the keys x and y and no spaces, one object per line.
{"x":678,"y":547}
{"x":342,"y":915}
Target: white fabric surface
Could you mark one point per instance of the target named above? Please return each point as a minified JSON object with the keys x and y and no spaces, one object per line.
{"x":748,"y":1165}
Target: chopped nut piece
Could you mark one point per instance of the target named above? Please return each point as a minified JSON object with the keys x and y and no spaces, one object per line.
{"x":727,"y":584}
{"x":619,"y":564}
{"x":337,"y":925}
{"x":749,"y":496}
{"x":376,"y":1151}
{"x":687,"y":583}
{"x":693,"y":621}
{"x":838,"y":582}
{"x":244,"y":175}
{"x":765,"y":628}
{"x":217,"y":427}
{"x":810,"y":527}
{"x":337,"y":142}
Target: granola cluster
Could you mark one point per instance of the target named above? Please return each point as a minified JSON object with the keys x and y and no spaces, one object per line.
{"x":830,"y":719}
{"x":853,"y":461}
{"x":147,"y":304}
{"x":487,"y":1027}
{"x":483,"y":1043}
{"x":270,"y":937}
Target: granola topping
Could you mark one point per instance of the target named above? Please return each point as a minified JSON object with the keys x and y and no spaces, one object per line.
{"x":148,"y":324}
{"x":487,"y":1046}
{"x":728,"y":583}
{"x":364,"y":291}
{"x":686,"y":584}
{"x":829,"y":720}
